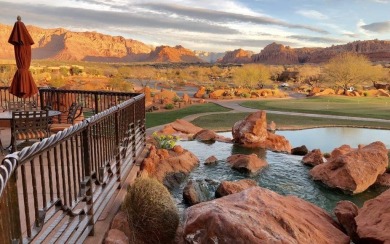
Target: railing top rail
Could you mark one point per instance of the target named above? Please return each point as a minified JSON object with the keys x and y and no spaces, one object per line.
{"x":89,"y":92}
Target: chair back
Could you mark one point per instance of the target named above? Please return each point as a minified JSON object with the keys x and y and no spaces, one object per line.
{"x":72,"y":113}
{"x":27,"y":125}
{"x":21,"y":106}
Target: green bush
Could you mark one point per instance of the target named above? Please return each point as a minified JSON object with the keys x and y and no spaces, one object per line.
{"x":151,"y":212}
{"x":164,"y":141}
{"x":169,"y":106}
{"x":326,"y":155}
{"x":365,"y":94}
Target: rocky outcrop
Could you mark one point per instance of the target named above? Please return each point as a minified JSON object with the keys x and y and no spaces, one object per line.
{"x":231,"y":187}
{"x":313,"y":158}
{"x":276,"y":54}
{"x":210,"y":136}
{"x":238,"y":56}
{"x":246,"y":163}
{"x":383,"y":180}
{"x":301,"y":151}
{"x":211,"y":160}
{"x":353,"y":171}
{"x":197,"y":191}
{"x":252,"y":132}
{"x":258,"y":215}
{"x":173,"y":54}
{"x":201,"y":92}
{"x":163,"y":163}
{"x":373,"y":220}
{"x":346,"y":212}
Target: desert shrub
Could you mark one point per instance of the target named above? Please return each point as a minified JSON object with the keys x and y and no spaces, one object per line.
{"x":151,"y":212}
{"x":365,"y":94}
{"x":326,"y":155}
{"x":169,"y":106}
{"x":164,"y":141}
{"x":245,"y":95}
{"x":176,"y":99}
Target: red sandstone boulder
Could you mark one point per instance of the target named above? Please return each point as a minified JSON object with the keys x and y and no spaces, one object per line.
{"x":252,"y":132}
{"x":185,"y":127}
{"x":217,"y":94}
{"x":354,"y":171}
{"x":258,"y":215}
{"x":231,"y":187}
{"x":337,"y":152}
{"x":201,"y":92}
{"x":197,"y":191}
{"x":211,"y":160}
{"x":205,"y":135}
{"x":161,"y":162}
{"x":313,"y":158}
{"x":373,"y":220}
{"x":301,"y":151}
{"x":346,"y":212}
{"x":246,"y":163}
{"x":115,"y":236}
{"x":383,"y":180}
{"x":186,"y":98}
{"x":120,"y":223}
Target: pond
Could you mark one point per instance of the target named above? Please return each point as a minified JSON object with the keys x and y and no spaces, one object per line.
{"x":285,"y":174}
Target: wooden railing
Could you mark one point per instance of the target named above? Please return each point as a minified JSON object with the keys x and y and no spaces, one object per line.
{"x":55,"y":190}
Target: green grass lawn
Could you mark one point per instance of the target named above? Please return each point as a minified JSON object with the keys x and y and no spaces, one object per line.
{"x":160,"y":118}
{"x":224,"y":122}
{"x":367,"y":107}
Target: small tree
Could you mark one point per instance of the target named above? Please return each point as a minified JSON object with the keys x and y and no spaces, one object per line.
{"x":251,"y":76}
{"x":348,"y":69}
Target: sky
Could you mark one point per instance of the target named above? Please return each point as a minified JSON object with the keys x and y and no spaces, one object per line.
{"x":213,"y":25}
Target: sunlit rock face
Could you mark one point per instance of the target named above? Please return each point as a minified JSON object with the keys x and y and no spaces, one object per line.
{"x":258,"y":215}
{"x":252,"y":132}
{"x":353,"y":170}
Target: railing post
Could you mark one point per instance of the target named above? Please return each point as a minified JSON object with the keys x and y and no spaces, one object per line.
{"x":96,"y":103}
{"x":88,"y":173}
{"x":118,"y":146}
{"x":10,"y":230}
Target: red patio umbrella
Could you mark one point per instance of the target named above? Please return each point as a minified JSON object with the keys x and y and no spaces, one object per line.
{"x":23,"y":84}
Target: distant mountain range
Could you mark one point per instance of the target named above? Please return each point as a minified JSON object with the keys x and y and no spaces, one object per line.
{"x":61,"y":44}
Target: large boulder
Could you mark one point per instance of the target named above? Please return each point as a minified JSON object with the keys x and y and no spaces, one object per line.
{"x":373,"y":220}
{"x":252,"y":132}
{"x":206,"y":135}
{"x":383,"y":180}
{"x":231,"y":187}
{"x":346,"y":212}
{"x":201,"y":92}
{"x":354,"y":171}
{"x":301,"y":151}
{"x":246,"y":163}
{"x":258,"y":215}
{"x":313,"y":158}
{"x":168,"y":165}
{"x":197,"y":191}
{"x":211,"y":160}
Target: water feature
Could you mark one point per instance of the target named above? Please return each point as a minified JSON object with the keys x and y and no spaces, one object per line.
{"x":285,"y":174}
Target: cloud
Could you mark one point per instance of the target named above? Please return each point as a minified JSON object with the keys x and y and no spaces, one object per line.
{"x":317,"y":39}
{"x":101,"y":20}
{"x":379,"y":27}
{"x":312,"y":14}
{"x":382,"y":1}
{"x":223,"y":17}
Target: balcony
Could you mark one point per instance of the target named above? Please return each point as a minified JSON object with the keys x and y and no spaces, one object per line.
{"x":56,"y":189}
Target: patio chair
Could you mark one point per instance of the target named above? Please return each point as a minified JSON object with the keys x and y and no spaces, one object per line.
{"x":21,"y":106}
{"x":27,"y":125}
{"x":74,"y":112}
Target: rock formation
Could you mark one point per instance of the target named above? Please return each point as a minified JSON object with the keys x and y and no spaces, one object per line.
{"x":238,"y":56}
{"x":231,"y":187}
{"x":276,"y":54}
{"x":252,"y":132}
{"x":373,"y":220}
{"x":197,"y":191}
{"x":246,"y":163}
{"x":173,"y":54}
{"x":355,"y":170}
{"x":211,"y":160}
{"x":346,"y":212}
{"x":201,"y":92}
{"x":313,"y":158}
{"x":302,"y":150}
{"x":258,"y":215}
{"x":163,"y":164}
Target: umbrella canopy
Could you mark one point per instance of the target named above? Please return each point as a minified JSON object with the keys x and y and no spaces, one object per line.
{"x":23,"y":84}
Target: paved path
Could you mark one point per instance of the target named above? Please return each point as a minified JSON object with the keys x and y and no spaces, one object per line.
{"x":237,"y":108}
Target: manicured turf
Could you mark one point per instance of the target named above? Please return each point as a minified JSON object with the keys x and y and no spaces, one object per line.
{"x":367,"y":107}
{"x":160,"y":118}
{"x":224,"y":122}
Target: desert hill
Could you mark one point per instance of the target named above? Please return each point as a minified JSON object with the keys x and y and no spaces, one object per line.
{"x":375,"y":50}
{"x":237,"y":56}
{"x":61,"y":44}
